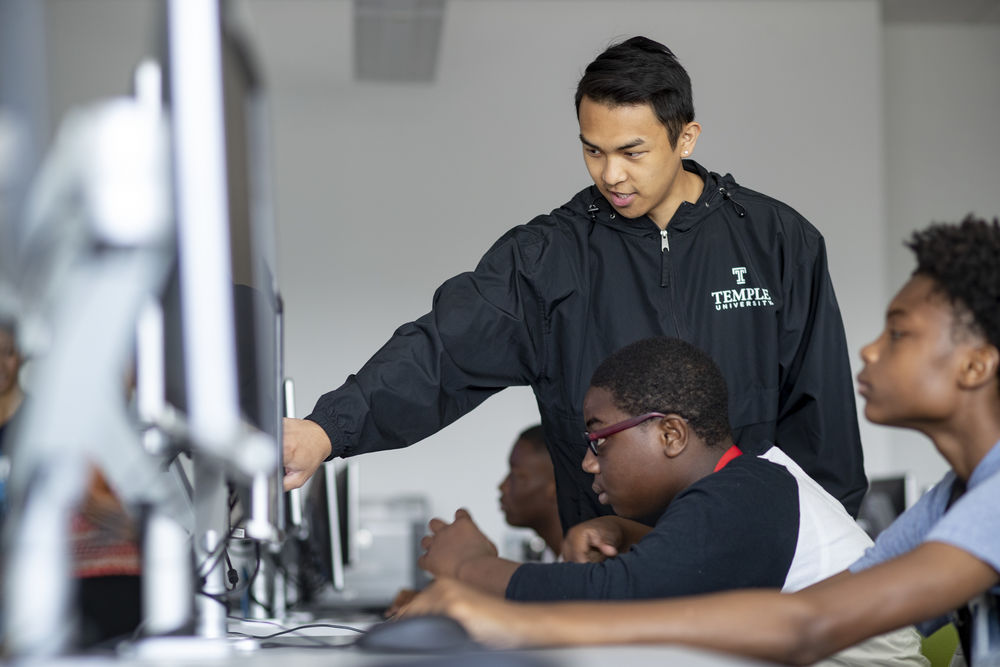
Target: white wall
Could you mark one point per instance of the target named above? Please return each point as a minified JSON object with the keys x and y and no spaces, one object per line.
{"x":942,"y":137}
{"x":383,"y":191}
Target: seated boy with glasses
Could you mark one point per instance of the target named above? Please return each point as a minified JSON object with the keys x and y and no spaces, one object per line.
{"x":694,"y":515}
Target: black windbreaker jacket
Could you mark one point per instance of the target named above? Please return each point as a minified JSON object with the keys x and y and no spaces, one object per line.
{"x":739,"y":274}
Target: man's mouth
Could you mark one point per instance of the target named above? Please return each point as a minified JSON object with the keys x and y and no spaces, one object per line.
{"x":622,"y":199}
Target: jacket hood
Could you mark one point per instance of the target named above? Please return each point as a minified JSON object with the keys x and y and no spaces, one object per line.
{"x":718,"y":191}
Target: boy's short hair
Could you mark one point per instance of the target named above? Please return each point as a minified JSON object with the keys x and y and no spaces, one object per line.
{"x":671,"y":376}
{"x":535,"y":436}
{"x":641,"y":71}
{"x":962,"y":260}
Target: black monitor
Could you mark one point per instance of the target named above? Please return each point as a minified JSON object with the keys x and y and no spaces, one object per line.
{"x":886,"y":499}
{"x":329,"y":535}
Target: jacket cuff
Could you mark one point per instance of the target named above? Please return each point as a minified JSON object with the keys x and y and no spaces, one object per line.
{"x":335,"y":450}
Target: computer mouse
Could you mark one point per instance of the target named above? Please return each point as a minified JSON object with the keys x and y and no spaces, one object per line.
{"x":417,"y":634}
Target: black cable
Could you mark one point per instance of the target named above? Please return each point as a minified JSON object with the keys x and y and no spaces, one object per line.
{"x":236,"y":591}
{"x":218,"y":552}
{"x":285,"y":631}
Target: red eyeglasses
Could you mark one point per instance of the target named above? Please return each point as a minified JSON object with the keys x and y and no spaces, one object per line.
{"x":596,"y":439}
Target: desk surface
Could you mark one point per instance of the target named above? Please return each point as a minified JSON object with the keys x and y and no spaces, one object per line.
{"x":599,"y":656}
{"x":331,"y":647}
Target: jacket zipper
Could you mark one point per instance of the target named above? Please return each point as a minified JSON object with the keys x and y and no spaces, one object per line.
{"x":664,"y":264}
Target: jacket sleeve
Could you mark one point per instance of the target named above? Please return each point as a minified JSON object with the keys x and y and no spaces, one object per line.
{"x":481,"y":335}
{"x":817,"y":418}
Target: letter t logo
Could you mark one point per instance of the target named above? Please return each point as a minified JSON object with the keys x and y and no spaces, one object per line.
{"x":739,"y":271}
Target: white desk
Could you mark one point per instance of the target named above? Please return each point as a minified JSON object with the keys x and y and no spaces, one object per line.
{"x":303,"y":649}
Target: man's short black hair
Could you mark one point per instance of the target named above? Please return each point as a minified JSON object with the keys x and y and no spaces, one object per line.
{"x":535,"y":436}
{"x":671,"y":376}
{"x":962,"y":260}
{"x":641,"y":71}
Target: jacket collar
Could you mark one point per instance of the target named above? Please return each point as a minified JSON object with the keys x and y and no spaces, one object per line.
{"x":712,"y":196}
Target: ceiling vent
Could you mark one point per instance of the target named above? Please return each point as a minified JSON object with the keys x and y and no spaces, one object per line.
{"x":397,"y":40}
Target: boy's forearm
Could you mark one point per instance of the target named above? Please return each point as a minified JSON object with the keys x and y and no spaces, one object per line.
{"x":632,"y":532}
{"x":488,"y":573}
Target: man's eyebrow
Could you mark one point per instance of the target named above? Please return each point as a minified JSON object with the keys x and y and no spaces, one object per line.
{"x":632,"y":144}
{"x":590,"y":422}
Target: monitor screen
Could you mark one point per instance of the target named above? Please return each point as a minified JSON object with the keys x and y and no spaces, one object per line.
{"x":329,"y":527}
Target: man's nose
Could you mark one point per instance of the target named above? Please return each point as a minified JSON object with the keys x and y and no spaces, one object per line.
{"x":613,"y":172}
{"x":590,"y":464}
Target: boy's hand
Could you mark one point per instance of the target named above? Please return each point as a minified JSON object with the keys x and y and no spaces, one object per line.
{"x":598,"y":539}
{"x":403,"y":598}
{"x":451,"y":545}
{"x":593,"y":541}
{"x":306,"y":445}
{"x":488,"y":619}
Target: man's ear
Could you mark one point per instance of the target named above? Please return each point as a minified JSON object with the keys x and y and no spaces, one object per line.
{"x":981,"y":367}
{"x":674,"y":434}
{"x":688,"y":138}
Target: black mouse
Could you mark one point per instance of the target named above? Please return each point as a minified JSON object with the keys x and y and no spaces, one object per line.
{"x":417,"y":634}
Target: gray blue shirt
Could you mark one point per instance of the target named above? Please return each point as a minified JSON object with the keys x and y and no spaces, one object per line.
{"x":971,"y":524}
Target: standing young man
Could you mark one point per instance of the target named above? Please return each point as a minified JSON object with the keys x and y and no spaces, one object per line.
{"x":657,"y":246}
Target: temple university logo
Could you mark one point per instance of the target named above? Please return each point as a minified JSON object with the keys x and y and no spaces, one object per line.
{"x":744,"y":297}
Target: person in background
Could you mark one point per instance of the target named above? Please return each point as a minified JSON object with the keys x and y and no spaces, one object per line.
{"x":11,"y":398}
{"x":103,"y":538}
{"x":657,"y":246}
{"x":527,"y":499}
{"x":528,"y":492}
{"x":934,"y":369}
{"x":107,"y":565}
{"x":11,"y":394}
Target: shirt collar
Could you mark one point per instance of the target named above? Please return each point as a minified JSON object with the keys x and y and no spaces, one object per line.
{"x":987,"y":467}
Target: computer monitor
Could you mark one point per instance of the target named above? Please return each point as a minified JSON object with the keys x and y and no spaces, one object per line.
{"x":329,"y":536}
{"x":886,"y":499}
{"x":225,"y":302}
{"x":245,"y":320}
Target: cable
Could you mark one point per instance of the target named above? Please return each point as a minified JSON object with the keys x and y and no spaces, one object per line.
{"x":216,"y":555}
{"x":335,"y":626}
{"x":286,"y":631}
{"x":236,"y":591}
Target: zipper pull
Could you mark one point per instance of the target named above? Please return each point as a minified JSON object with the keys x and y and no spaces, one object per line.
{"x":664,"y":241}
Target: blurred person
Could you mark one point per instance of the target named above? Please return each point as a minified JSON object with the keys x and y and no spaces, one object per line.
{"x":528,"y":492}
{"x":527,"y":499}
{"x":103,"y":537}
{"x":11,"y":398}
{"x":11,"y":394}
